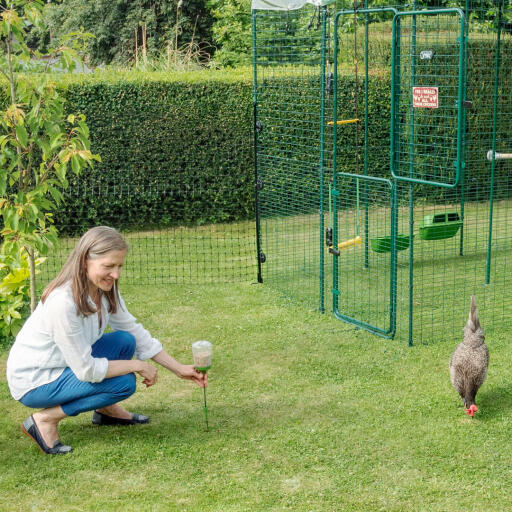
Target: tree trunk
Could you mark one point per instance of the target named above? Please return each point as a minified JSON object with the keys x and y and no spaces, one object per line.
{"x":32,"y":268}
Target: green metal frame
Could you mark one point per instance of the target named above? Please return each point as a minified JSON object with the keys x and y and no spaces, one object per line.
{"x":411,"y":179}
{"x":494,"y":127}
{"x":460,"y":99}
{"x":388,"y":332}
{"x":427,"y":160}
{"x":322,"y":156}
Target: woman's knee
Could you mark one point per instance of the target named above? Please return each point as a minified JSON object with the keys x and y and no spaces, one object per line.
{"x":126,"y":342}
{"x":125,"y":385}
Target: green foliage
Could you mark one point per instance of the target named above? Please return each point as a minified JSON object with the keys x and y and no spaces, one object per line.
{"x":175,"y":149}
{"x":116,"y":23}
{"x":14,"y":294}
{"x":178,"y":148}
{"x":39,"y":141}
{"x":231,"y":31}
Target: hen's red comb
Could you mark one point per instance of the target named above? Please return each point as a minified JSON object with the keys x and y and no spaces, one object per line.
{"x":472,"y":409}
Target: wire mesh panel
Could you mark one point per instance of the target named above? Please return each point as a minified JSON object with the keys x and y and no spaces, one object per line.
{"x":449,"y":142}
{"x":178,"y":253}
{"x":289,"y":48}
{"x":455,"y":250}
{"x":365,"y":253}
{"x":489,"y":170}
{"x":427,"y":100}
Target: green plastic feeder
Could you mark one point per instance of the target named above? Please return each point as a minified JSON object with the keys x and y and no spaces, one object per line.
{"x":439,"y":226}
{"x":383,"y":243}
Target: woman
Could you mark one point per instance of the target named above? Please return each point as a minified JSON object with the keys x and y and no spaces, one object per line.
{"x":63,"y":363}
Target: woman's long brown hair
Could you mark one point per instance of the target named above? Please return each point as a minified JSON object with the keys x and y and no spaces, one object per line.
{"x":95,"y":243}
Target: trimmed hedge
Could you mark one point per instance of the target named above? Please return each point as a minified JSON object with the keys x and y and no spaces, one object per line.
{"x":175,"y":149}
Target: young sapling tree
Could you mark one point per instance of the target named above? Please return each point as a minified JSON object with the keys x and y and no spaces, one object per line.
{"x":39,"y":141}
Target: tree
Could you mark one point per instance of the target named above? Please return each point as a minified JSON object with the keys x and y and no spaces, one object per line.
{"x":232,"y":31}
{"x":119,"y":26}
{"x":38,"y":141}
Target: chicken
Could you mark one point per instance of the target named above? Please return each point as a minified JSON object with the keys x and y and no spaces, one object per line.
{"x":469,"y":361}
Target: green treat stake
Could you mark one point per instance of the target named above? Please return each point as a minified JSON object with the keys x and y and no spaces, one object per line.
{"x":202,"y":353}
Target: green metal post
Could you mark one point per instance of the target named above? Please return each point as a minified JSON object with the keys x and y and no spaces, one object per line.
{"x":463,"y":134}
{"x":366,"y":226}
{"x":395,"y":83}
{"x":256,"y":183}
{"x":411,"y":191}
{"x":334,"y":171}
{"x":494,"y":127}
{"x":321,"y":163}
{"x":394,"y":256}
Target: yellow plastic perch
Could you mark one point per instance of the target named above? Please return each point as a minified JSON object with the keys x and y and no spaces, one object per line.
{"x":345,"y":121}
{"x":345,"y":245}
{"x":349,"y":243}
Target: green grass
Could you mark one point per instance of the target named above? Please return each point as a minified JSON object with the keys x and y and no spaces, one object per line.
{"x":306,"y":414}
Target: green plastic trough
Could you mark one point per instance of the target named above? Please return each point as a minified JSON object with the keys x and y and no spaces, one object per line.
{"x":439,"y":226}
{"x":383,"y":243}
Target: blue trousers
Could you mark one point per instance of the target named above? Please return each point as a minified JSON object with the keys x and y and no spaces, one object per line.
{"x":76,"y":396}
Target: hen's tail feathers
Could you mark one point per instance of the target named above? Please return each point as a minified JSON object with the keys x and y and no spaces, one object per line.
{"x":473,"y":320}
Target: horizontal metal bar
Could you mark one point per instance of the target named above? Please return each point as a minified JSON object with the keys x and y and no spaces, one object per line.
{"x":388,"y":334}
{"x":498,"y":156}
{"x":449,"y":10}
{"x":365,"y":177}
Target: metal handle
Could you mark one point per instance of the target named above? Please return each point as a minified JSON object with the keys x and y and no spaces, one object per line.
{"x":498,"y":156}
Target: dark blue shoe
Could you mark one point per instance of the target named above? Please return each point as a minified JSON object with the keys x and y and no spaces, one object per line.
{"x":102,"y":419}
{"x":29,"y":427}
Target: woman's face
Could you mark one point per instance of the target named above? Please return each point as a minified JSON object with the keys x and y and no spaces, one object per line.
{"x":103,"y":271}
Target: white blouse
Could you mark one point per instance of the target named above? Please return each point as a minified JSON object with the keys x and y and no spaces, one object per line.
{"x":55,"y":337}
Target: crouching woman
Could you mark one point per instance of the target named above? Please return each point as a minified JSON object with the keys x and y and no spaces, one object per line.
{"x":62,"y":361}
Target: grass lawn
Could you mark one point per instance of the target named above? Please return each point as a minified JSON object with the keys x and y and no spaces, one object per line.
{"x":306,"y":414}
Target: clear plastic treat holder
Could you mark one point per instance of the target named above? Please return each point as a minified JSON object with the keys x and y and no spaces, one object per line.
{"x":202,"y":354}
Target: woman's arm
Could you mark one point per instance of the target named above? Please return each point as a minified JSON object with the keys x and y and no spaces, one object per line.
{"x":184,"y":371}
{"x":146,"y":346}
{"x":123,"y":367}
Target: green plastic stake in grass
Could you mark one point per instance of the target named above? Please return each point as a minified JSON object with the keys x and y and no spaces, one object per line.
{"x":202,"y":353}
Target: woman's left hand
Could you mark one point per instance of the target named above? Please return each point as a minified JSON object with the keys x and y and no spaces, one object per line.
{"x":184,"y":371}
{"x":188,"y":372}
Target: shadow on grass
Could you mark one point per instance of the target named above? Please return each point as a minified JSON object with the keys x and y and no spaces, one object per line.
{"x":186,"y":426}
{"x":495,"y":401}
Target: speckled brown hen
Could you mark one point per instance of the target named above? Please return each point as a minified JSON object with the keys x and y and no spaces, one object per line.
{"x":469,"y":361}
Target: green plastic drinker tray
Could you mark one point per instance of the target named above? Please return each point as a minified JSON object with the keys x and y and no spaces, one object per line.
{"x":383,"y":243}
{"x":439,"y":226}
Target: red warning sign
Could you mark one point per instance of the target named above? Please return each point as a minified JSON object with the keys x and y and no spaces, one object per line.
{"x":425,"y":97}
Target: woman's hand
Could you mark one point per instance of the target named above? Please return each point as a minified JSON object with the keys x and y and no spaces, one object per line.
{"x":149,"y":373}
{"x":188,"y":372}
{"x":184,"y":371}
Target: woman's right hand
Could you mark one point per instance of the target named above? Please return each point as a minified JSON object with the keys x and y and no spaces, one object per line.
{"x":149,"y":373}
